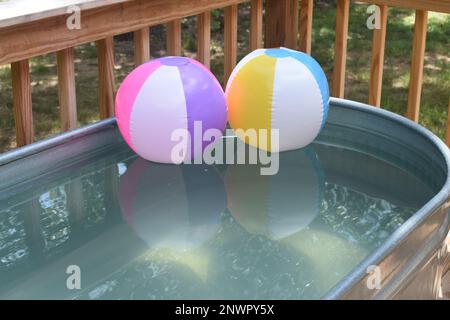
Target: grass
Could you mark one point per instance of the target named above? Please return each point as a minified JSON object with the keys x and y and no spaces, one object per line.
{"x":436,"y":87}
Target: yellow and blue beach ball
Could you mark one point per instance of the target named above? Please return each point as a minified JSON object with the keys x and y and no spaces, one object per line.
{"x":278,"y":89}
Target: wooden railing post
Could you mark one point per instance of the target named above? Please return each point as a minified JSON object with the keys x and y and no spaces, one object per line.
{"x":305,"y":25}
{"x":66,"y":89}
{"x":291,"y":23}
{"x":340,"y":48}
{"x":418,"y":56}
{"x":256,"y":27}
{"x":106,"y":77}
{"x":274,"y":36}
{"x":204,"y":38}
{"x":142,"y":46}
{"x":230,"y":43}
{"x":23,"y":114}
{"x":174,"y":38}
{"x":377,"y":64}
{"x":281,"y":23}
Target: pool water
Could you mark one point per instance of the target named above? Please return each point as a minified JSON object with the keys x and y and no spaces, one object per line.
{"x":139,"y":230}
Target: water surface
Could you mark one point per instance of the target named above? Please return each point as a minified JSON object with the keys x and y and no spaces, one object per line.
{"x":139,"y":230}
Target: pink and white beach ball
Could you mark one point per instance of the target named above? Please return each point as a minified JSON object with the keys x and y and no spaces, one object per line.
{"x":165,"y":95}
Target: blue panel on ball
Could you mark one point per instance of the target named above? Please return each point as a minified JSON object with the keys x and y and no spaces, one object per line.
{"x":278,"y":53}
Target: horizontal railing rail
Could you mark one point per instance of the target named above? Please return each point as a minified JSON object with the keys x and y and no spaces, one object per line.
{"x":286,"y":22}
{"x":38,"y":37}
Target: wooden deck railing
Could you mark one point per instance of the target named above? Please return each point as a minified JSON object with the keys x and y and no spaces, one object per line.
{"x":45,"y":31}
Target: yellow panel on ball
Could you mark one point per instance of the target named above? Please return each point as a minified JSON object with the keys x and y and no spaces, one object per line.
{"x":249,"y":98}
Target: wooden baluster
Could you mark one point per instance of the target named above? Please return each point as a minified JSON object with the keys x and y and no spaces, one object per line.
{"x":274,"y":35}
{"x":305,"y":28}
{"x":141,"y":46}
{"x":418,"y":55}
{"x":66,"y":89}
{"x":281,"y":23}
{"x":340,"y":48}
{"x":204,"y":38}
{"x":377,"y":64}
{"x":174,"y":38}
{"x":291,"y":23}
{"x":447,"y":132}
{"x":23,"y":114}
{"x":106,"y":77}
{"x":256,"y":27}
{"x":230,"y":45}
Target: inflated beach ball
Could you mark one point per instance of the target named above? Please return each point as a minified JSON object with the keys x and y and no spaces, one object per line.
{"x":278,"y":89}
{"x":175,"y":208}
{"x":281,"y":204}
{"x":162,"y":96}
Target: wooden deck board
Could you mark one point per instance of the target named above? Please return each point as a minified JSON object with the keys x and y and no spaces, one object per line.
{"x":14,"y":12}
{"x":105,"y":21}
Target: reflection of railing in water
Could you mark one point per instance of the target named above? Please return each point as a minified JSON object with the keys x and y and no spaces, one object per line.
{"x":40,"y":228}
{"x":23,"y":38}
